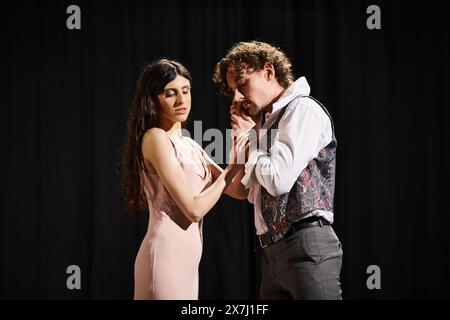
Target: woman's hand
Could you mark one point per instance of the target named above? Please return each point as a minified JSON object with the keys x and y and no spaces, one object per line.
{"x":240,"y":119}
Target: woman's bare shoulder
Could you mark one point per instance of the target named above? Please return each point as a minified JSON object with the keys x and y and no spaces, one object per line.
{"x":154,"y":139}
{"x":154,"y":132}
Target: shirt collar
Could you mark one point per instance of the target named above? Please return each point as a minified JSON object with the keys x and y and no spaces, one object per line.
{"x":299,"y":88}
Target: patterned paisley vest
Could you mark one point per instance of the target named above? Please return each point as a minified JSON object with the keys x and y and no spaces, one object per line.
{"x":313,"y":189}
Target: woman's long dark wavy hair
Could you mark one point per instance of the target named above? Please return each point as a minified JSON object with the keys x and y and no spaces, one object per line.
{"x":144,"y":115}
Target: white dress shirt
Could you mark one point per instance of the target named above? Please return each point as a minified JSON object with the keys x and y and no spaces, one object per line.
{"x":303,"y":131}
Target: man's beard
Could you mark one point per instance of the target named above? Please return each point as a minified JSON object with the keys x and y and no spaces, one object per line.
{"x":251,"y":108}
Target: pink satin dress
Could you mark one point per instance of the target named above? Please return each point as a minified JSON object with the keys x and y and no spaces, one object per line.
{"x":166,"y":266}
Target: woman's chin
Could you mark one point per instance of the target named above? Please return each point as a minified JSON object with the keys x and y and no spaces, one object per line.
{"x":182,"y":117}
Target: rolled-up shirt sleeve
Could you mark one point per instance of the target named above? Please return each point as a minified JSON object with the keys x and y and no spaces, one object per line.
{"x":249,"y":179}
{"x":302,"y":132}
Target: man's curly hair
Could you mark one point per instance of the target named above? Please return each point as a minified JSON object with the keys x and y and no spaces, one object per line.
{"x":253,"y":54}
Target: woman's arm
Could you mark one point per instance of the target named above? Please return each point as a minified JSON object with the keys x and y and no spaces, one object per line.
{"x":158,"y":150}
{"x":235,"y":189}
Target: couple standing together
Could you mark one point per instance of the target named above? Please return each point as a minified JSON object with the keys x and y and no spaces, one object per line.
{"x":290,"y":180}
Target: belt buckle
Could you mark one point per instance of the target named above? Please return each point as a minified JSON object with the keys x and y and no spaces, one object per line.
{"x":261,"y":243}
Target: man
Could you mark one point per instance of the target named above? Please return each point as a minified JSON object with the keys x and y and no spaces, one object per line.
{"x":291,"y":180}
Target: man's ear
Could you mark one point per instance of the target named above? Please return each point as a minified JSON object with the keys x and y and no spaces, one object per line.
{"x":269,"y":71}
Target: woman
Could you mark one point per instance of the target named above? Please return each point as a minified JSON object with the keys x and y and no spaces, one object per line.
{"x":172,"y":176}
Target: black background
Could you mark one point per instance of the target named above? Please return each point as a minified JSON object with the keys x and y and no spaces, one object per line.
{"x":65,"y":100}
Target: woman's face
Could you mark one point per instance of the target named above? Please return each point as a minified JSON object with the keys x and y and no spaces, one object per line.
{"x":175,"y":100}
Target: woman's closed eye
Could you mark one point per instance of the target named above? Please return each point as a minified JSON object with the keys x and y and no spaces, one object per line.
{"x":170,"y":93}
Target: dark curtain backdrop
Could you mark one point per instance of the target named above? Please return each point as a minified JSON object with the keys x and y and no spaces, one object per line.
{"x":65,"y":100}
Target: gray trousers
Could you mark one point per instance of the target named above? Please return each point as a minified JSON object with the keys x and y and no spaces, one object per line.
{"x":305,"y":265}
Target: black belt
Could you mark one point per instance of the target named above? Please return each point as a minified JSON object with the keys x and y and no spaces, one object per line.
{"x":266,"y":240}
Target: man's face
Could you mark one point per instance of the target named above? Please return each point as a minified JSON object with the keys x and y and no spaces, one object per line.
{"x":250,"y":87}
